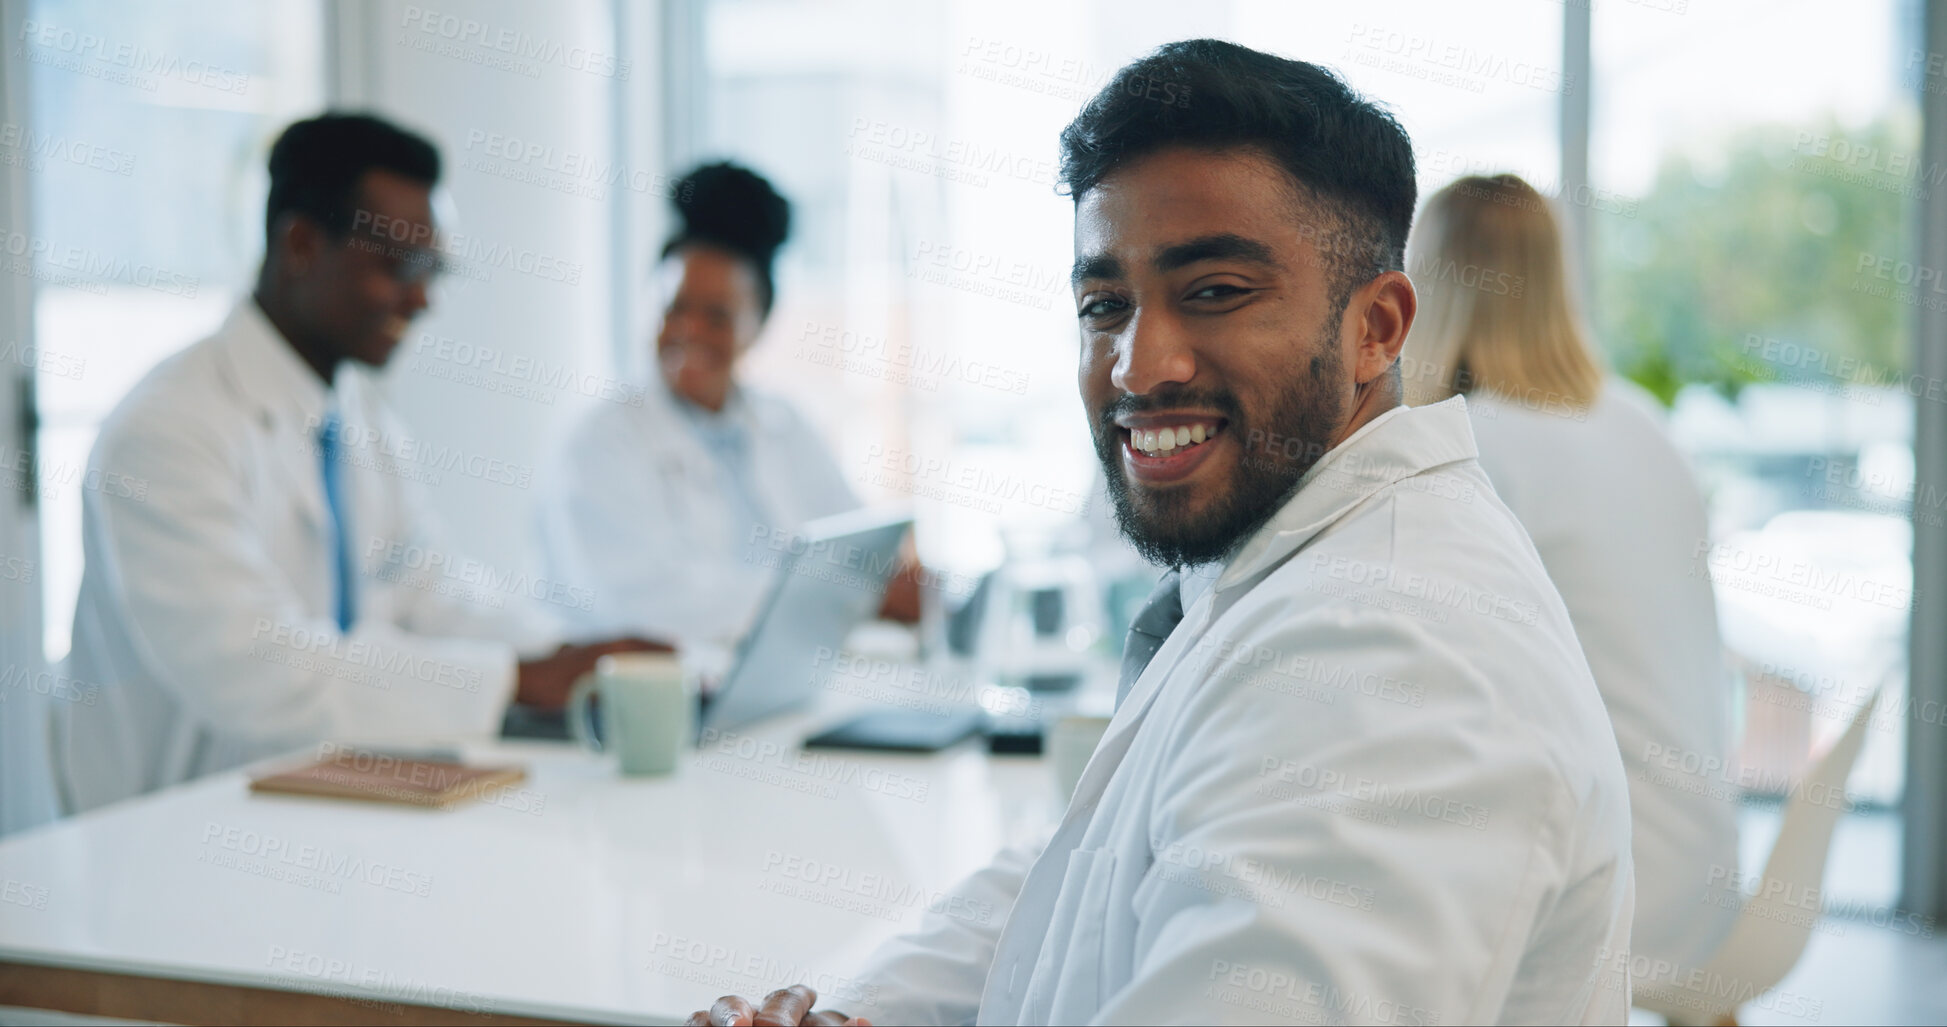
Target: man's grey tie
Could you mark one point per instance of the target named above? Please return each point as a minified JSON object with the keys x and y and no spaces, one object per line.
{"x":1154,"y":622}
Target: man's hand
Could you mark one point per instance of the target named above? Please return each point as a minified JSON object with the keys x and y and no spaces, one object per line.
{"x":546,"y":682}
{"x":902,"y":602}
{"x":788,"y":1007}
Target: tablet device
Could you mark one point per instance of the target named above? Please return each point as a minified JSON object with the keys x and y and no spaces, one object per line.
{"x":830,"y":576}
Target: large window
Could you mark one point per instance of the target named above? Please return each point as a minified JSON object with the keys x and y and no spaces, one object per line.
{"x":1749,"y":216}
{"x":145,"y":143}
{"x":1758,"y":279}
{"x":1478,"y":94}
{"x":924,"y":307}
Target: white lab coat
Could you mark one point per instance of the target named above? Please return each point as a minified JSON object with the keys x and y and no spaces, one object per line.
{"x":206,"y":610}
{"x":27,"y":797}
{"x":641,"y":518}
{"x":1620,"y":524}
{"x":1367,"y":778}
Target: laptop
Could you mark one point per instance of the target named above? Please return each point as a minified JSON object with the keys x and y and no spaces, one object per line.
{"x":830,"y":577}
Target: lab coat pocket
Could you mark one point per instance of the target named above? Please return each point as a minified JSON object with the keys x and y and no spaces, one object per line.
{"x":1067,"y":982}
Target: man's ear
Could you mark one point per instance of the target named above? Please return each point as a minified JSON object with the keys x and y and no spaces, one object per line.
{"x":1380,"y":314}
{"x":297,"y":241}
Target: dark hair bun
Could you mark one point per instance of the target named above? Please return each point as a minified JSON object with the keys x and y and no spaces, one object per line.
{"x":733,"y":207}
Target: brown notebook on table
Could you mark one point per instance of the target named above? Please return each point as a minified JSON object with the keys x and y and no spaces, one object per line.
{"x":380,"y":777}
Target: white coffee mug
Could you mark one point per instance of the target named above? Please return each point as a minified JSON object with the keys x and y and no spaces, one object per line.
{"x":648,"y":710}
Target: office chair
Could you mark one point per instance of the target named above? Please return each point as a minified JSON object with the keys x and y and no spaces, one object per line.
{"x":1771,"y":932}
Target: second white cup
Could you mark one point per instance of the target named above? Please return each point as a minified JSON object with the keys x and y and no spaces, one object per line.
{"x":648,"y":710}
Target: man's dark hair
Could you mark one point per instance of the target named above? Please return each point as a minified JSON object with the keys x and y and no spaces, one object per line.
{"x":1348,"y":156}
{"x":316,"y":165}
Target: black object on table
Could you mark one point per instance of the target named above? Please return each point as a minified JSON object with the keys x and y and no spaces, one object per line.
{"x":898,"y":731}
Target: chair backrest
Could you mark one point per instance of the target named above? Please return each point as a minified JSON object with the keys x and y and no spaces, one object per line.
{"x":1776,"y":921}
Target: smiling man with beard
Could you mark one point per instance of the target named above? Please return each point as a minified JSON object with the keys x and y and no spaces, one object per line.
{"x":1358,"y":770}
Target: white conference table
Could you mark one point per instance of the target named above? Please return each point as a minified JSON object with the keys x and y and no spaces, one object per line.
{"x":581,"y":896}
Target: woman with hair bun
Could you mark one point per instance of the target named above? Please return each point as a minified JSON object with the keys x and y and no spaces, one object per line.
{"x":662,"y":515}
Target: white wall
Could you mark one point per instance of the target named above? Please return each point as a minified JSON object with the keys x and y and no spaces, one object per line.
{"x":526,"y":102}
{"x":26,"y":792}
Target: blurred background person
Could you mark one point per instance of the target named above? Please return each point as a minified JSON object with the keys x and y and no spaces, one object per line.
{"x":666,"y":510}
{"x":244,"y":593}
{"x":1583,"y":460}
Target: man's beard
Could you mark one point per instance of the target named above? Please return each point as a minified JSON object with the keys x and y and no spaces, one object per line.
{"x":1161,"y":523}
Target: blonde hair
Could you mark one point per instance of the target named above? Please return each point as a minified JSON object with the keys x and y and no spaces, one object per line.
{"x":1495,"y":312}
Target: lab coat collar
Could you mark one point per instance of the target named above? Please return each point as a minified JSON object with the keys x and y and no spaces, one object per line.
{"x":664,"y":414}
{"x":753,"y":410}
{"x":1396,"y":445}
{"x":736,"y":417}
{"x":762,"y":419}
{"x":287,"y":397}
{"x":268,"y":373}
{"x":1196,"y":581}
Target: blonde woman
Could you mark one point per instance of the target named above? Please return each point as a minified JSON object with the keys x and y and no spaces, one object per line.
{"x":1583,"y":460}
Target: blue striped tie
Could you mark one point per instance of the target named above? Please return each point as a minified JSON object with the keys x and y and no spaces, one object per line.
{"x":334,"y":490}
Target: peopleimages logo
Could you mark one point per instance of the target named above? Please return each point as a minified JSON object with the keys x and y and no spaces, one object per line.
{"x":815,"y":773}
{"x":43,"y":258}
{"x":1797,"y":581}
{"x":987,"y":274}
{"x":387,"y":451}
{"x":1316,"y":786}
{"x":39,"y":147}
{"x":408,"y":563}
{"x":433,"y":27}
{"x":1468,"y":276}
{"x":942,"y":478}
{"x":267,"y":855}
{"x":44,"y":361}
{"x":865,"y":892}
{"x":902,"y":363}
{"x":97,"y":56}
{"x":563,"y":169}
{"x":923,"y":151}
{"x":20,"y":679}
{"x":292,"y":640}
{"x":1447,"y":63}
{"x":467,"y":256}
{"x":515,"y":374}
{"x":19,"y":471}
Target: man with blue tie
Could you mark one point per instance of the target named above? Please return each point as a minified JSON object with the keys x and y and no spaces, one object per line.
{"x":264,"y":573}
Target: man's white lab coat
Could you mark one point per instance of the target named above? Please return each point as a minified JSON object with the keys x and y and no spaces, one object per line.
{"x":1619,"y":522}
{"x":1367,"y":779}
{"x":642,"y":515}
{"x":207,"y":607}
